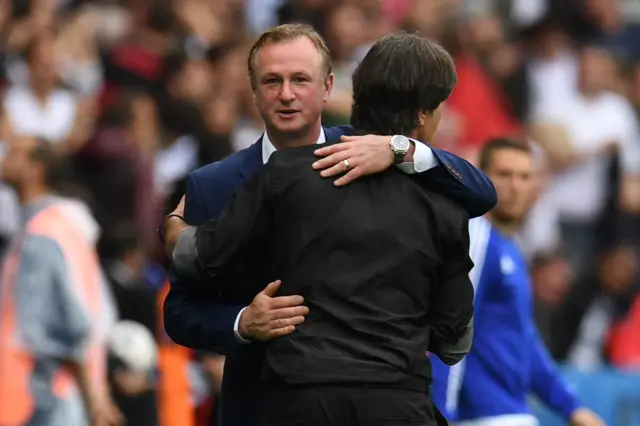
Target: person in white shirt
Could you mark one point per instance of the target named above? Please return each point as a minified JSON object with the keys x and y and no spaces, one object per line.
{"x":580,"y":137}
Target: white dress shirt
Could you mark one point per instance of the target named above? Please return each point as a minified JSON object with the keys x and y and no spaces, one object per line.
{"x":423,"y":160}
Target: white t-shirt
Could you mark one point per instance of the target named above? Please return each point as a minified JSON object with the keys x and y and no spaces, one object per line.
{"x":52,"y":120}
{"x":579,"y":192}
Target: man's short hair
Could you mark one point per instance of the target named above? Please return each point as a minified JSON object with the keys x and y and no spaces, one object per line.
{"x":400,"y":77}
{"x":289,"y":32}
{"x":498,"y":144}
{"x":55,"y":168}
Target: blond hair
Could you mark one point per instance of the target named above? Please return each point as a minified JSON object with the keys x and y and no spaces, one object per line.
{"x":289,"y":32}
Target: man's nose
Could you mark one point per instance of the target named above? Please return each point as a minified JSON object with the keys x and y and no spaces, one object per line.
{"x":287,"y":94}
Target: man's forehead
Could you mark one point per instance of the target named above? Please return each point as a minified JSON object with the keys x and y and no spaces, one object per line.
{"x":512,"y":159}
{"x":289,"y":56}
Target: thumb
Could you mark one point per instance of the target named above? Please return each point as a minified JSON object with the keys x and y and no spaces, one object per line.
{"x":345,"y":138}
{"x":271,"y":289}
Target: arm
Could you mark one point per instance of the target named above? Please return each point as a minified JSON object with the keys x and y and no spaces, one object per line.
{"x":461,"y":181}
{"x":216,"y":245}
{"x":193,"y":314}
{"x":194,"y":317}
{"x":435,"y":169}
{"x":451,"y":313}
{"x":546,"y":382}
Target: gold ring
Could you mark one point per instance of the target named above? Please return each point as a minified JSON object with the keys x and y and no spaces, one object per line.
{"x":346,"y":164}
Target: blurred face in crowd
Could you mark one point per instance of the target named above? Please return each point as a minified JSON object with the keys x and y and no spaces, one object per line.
{"x":291,"y":86}
{"x":42,"y":65}
{"x":348,"y":29}
{"x":512,"y":173}
{"x":17,"y":166}
{"x":597,"y":70}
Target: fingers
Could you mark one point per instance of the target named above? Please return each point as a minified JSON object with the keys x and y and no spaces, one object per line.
{"x":331,"y":149}
{"x":288,"y":312}
{"x":279,"y":332}
{"x":353,"y":174}
{"x":335,"y":160}
{"x":345,"y":138}
{"x":272,"y":288}
{"x":285,"y":302}
{"x":286,"y":322}
{"x":334,"y":164}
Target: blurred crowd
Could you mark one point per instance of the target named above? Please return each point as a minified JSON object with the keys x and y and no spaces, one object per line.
{"x":137,"y":93}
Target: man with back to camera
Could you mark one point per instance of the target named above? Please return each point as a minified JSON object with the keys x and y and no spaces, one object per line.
{"x":290,"y":72}
{"x":382,"y":263}
{"x":508,"y":359}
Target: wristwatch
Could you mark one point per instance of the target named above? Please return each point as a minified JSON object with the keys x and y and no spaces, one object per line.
{"x":400,"y":146}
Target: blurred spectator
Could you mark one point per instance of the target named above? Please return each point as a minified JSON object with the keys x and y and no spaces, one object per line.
{"x":579,"y":135}
{"x":56,"y":307}
{"x":123,"y":259}
{"x":40,"y":107}
{"x":133,"y":359}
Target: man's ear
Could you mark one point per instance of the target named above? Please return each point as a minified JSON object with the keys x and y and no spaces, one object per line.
{"x":328,"y":86}
{"x":422,"y":117}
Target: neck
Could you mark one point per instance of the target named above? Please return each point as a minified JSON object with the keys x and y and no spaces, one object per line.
{"x":505,"y":226}
{"x":30,"y":194}
{"x":41,"y":91}
{"x":289,"y":140}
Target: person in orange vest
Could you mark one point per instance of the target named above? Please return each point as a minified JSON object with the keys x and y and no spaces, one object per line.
{"x":175,"y":404}
{"x":55,"y":308}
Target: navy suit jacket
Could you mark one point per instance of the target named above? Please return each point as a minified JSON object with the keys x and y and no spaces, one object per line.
{"x":198,"y":316}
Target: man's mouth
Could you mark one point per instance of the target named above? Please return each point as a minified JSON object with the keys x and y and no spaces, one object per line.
{"x":287,"y":112}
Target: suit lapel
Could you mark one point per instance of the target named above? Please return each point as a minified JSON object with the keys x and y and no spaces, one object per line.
{"x":251,"y":160}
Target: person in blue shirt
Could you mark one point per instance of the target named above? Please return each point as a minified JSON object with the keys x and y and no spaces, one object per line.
{"x":508,"y":360}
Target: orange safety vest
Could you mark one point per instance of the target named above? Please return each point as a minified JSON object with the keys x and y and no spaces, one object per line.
{"x":174,"y":391}
{"x":16,"y":360}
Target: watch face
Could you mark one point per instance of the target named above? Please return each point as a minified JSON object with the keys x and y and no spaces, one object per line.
{"x":400,"y":143}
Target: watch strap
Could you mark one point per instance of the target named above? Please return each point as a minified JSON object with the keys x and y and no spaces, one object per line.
{"x":160,"y":230}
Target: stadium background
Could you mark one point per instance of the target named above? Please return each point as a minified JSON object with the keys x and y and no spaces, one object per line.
{"x":151,"y":89}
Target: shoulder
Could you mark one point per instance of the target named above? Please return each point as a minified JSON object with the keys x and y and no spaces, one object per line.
{"x":40,"y":250}
{"x":222,"y":168}
{"x":333,"y":133}
{"x":14,"y":95}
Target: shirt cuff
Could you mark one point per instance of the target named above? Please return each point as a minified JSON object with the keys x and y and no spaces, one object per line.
{"x":423,"y":159}
{"x":236,"y":323}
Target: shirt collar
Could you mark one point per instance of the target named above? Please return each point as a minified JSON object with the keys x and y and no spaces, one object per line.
{"x":268,"y":148}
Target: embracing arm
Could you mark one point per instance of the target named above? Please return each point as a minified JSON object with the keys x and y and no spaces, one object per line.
{"x":193,"y":314}
{"x":451,"y":313}
{"x":435,"y":169}
{"x":456,"y":178}
{"x":215,"y":246}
